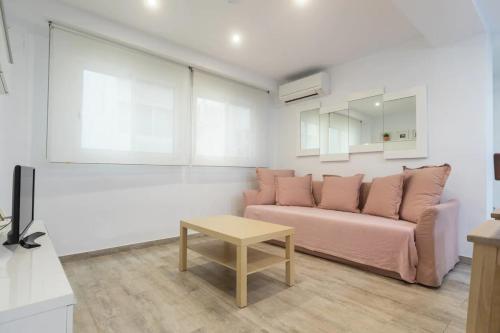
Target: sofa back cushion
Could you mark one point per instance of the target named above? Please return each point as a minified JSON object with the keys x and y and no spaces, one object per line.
{"x":385,"y":197}
{"x":422,"y":189}
{"x":294,"y":191}
{"x":363,"y":192}
{"x":265,"y":178}
{"x":341,"y":193}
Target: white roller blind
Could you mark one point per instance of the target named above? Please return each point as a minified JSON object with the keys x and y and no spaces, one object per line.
{"x":112,"y":104}
{"x":229,"y":122}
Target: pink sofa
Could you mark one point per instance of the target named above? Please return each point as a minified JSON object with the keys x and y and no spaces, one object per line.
{"x":422,"y":252}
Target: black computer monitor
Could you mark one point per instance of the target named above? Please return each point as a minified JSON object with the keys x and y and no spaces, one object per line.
{"x":23,"y":203}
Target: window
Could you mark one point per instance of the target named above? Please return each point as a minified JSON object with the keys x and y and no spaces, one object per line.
{"x":121,"y":115}
{"x":109,"y":103}
{"x":112,"y":104}
{"x":229,"y":122}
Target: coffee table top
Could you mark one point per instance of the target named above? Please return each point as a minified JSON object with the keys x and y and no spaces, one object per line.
{"x":237,"y":230}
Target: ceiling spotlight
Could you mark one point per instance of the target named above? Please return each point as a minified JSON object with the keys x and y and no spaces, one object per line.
{"x":377,"y":104}
{"x":152,"y":4}
{"x":300,"y":3}
{"x":236,"y":39}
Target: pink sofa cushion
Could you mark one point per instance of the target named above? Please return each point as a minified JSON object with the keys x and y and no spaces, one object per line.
{"x":385,"y":197}
{"x":365,"y":239}
{"x":363,"y":192}
{"x":294,"y":191}
{"x":265,"y":178}
{"x":341,"y":193}
{"x":422,"y":189}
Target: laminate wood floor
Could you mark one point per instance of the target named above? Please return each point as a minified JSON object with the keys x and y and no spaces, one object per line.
{"x":141,"y":290}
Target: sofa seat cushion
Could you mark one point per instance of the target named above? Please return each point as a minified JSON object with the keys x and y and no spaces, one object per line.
{"x":370,"y":240}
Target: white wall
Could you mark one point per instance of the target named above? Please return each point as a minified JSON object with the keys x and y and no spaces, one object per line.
{"x":15,"y":120}
{"x":459,"y":82}
{"x":496,"y":109}
{"x":90,"y":207}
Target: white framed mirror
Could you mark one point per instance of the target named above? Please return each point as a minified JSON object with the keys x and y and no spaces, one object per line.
{"x":308,"y":143}
{"x":334,"y":133}
{"x":405,"y":124}
{"x":365,"y":110}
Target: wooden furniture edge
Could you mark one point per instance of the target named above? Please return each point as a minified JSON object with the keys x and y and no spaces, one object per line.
{"x":484,"y":291}
{"x":211,"y":233}
{"x":260,"y":239}
{"x":487,"y":233}
{"x":210,"y":249}
{"x":238,"y":241}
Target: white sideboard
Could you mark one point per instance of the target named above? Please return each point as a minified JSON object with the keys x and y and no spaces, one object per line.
{"x":35,"y":295}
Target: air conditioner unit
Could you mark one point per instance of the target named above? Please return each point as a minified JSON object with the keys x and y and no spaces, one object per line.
{"x":314,"y":85}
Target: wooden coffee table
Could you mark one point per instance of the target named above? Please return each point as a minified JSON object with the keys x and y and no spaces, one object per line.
{"x":233,"y":236}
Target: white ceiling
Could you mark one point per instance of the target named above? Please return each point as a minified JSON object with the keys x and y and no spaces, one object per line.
{"x":280,"y":39}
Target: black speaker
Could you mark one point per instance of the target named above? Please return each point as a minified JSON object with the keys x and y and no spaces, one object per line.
{"x":496,"y":163}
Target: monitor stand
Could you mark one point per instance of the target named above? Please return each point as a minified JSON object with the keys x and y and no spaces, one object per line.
{"x":28,"y":242}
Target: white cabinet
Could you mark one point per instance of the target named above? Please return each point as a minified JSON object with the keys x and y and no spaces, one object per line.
{"x":52,"y":321}
{"x":35,"y":294}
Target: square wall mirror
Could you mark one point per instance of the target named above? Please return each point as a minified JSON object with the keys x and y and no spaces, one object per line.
{"x":405,"y":124}
{"x":309,"y":129}
{"x":366,"y":124}
{"x":400,"y":124}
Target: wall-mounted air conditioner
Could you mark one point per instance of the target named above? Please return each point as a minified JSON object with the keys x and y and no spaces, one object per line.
{"x":313,"y":85}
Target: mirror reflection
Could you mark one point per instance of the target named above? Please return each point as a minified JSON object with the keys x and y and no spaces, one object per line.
{"x":334,"y":133}
{"x":309,"y":130}
{"x":366,"y":123}
{"x":400,"y":118}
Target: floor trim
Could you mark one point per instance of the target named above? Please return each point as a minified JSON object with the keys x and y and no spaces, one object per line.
{"x":111,"y":250}
{"x":465,"y":260}
{"x":86,"y":255}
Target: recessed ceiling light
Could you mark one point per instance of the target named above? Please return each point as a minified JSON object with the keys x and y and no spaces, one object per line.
{"x":300,"y":3}
{"x":152,"y":4}
{"x":236,"y":39}
{"x":377,"y":104}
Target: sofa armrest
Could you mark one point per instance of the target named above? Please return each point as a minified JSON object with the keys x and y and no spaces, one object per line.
{"x":250,"y":198}
{"x":436,"y":237}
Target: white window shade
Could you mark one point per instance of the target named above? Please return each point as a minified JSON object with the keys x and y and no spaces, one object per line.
{"x":112,"y":104}
{"x":229,"y":122}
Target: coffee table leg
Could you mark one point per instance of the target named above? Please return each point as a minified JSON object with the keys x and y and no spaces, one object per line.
{"x":183,"y":249}
{"x":290,"y":264}
{"x":241,"y":276}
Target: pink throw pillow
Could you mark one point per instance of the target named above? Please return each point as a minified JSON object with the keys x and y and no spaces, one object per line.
{"x":422,"y":189}
{"x":341,"y":193}
{"x":385,"y":196}
{"x":265,"y":178}
{"x":294,"y":191}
